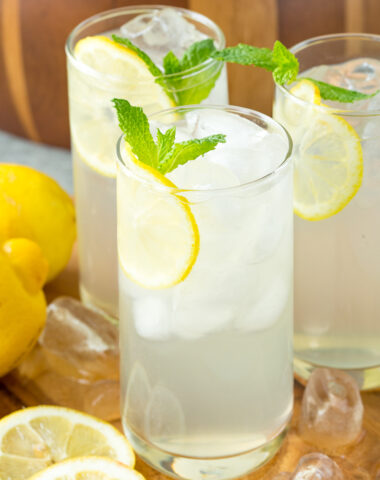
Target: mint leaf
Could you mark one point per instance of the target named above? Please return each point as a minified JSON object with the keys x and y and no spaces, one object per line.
{"x":197,"y":53}
{"x":165,"y":155}
{"x":171,"y":64}
{"x":182,"y":152}
{"x":280,"y":60}
{"x":338,"y":94}
{"x":165,"y":142}
{"x":154,"y":70}
{"x":287,"y":64}
{"x":190,"y":89}
{"x":134,"y":124}
{"x":247,"y":55}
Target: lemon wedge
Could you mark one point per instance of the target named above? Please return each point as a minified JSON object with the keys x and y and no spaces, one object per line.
{"x":328,"y":158}
{"x":158,"y":238}
{"x":121,"y":73}
{"x":35,"y":438}
{"x":88,"y":468}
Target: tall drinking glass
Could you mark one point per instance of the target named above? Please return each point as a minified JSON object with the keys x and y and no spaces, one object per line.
{"x":205,"y":279}
{"x":337,"y":195}
{"x":93,"y":80}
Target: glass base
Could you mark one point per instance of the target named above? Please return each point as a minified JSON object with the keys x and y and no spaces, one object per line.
{"x":367,"y":378}
{"x":90,"y":302}
{"x":220,"y":468}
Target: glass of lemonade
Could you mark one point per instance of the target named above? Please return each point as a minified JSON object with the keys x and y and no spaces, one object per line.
{"x":99,"y":71}
{"x":337,"y":201}
{"x":205,"y":281}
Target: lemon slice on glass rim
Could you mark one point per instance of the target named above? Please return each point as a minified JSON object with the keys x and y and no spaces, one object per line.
{"x":34,"y":438}
{"x":328,"y":157}
{"x":158,"y":237}
{"x":94,"y":134}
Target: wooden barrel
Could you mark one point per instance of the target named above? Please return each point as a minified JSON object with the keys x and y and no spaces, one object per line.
{"x":33,"y":97}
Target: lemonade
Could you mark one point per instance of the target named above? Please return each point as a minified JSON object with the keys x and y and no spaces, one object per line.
{"x":337,"y":231}
{"x":98,"y":70}
{"x":205,"y":279}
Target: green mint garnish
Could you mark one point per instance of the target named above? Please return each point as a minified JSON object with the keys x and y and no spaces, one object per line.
{"x":338,"y":94}
{"x":284,"y":66}
{"x":164,"y":155}
{"x":247,"y":55}
{"x":287,"y":65}
{"x":196,"y":87}
{"x":280,"y":60}
{"x":183,"y":90}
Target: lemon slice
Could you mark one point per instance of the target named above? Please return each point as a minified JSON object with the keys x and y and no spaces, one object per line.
{"x":328,"y":158}
{"x":122,"y":73}
{"x":158,"y":236}
{"x":307,"y":91}
{"x":88,"y":468}
{"x":35,"y":438}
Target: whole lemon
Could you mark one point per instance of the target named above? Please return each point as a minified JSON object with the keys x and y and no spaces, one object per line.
{"x":34,"y":206}
{"x":23,"y":271}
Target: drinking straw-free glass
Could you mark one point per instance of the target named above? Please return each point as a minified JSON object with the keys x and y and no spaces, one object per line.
{"x":93,"y":81}
{"x":337,"y":260}
{"x":206,"y":354}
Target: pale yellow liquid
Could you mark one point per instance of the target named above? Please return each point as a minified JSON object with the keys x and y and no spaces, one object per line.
{"x":337,"y":275}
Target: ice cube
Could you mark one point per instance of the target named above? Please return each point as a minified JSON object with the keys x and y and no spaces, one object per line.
{"x":164,"y":415}
{"x":192,"y":321}
{"x":202,"y":174}
{"x":76,"y":360}
{"x":316,"y":466}
{"x":266,"y":309}
{"x":332,"y":409}
{"x":138,"y":392}
{"x":250,"y":151}
{"x":239,"y":130}
{"x":80,"y":342}
{"x":160,"y":31}
{"x":152,"y":317}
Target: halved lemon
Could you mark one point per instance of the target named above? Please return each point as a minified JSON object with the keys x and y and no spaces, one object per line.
{"x":88,"y":468}
{"x":158,"y":238}
{"x":37,"y":437}
{"x":328,"y":158}
{"x":121,"y":73}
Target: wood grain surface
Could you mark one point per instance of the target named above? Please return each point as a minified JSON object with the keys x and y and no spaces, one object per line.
{"x":365,"y":454}
{"x":33,"y":96}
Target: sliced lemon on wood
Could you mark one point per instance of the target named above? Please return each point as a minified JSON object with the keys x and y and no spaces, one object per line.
{"x":122,"y":73}
{"x":37,"y":437}
{"x":158,"y":236}
{"x":88,"y":468}
{"x":328,"y":158}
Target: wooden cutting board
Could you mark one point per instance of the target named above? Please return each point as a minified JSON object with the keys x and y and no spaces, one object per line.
{"x":364,"y":454}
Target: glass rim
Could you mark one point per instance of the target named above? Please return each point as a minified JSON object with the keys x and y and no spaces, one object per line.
{"x":351,"y":112}
{"x":261,"y":181}
{"x":220,"y":40}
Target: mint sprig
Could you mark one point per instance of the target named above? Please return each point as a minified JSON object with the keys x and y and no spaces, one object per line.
{"x":183,"y":89}
{"x":339,"y":94}
{"x":164,"y":154}
{"x":285,"y":67}
{"x":280,"y":61}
